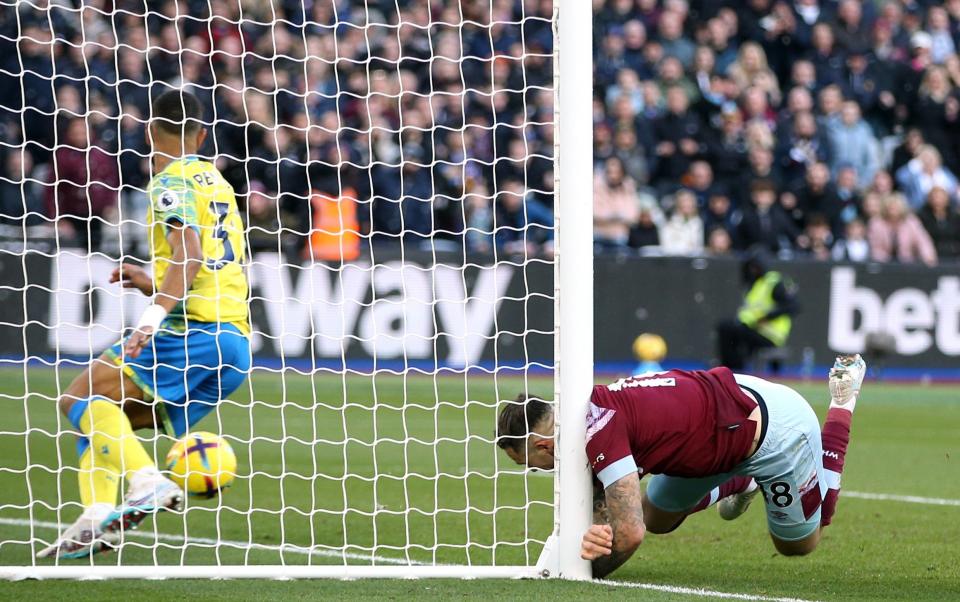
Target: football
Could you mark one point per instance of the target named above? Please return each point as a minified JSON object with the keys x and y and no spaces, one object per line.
{"x":649,"y":347}
{"x":202,"y":464}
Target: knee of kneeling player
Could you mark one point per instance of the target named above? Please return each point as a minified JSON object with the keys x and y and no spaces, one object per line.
{"x":661,"y":528}
{"x":797,"y":548}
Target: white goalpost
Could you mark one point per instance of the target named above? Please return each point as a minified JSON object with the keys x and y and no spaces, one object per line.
{"x":395,"y":162}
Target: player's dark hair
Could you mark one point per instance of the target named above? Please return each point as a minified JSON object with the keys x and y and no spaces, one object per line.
{"x":518,"y":419}
{"x":177,"y":112}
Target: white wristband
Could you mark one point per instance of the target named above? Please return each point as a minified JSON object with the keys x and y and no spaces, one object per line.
{"x":152,"y":317}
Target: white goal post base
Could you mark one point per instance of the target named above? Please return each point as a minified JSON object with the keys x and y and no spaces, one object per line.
{"x":87,"y":572}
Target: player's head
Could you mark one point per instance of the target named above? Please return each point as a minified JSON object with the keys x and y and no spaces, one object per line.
{"x":525,"y":432}
{"x":176,"y":120}
{"x":755,"y":264}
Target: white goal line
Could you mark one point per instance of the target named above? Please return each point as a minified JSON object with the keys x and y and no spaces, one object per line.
{"x":404,"y":571}
{"x":240,"y":545}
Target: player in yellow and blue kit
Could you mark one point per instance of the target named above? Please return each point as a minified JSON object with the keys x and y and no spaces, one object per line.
{"x":189,"y":350}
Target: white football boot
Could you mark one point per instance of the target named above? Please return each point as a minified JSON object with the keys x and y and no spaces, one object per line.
{"x":83,"y":538}
{"x":845,"y":380}
{"x":150,"y":492}
{"x":733,"y":506}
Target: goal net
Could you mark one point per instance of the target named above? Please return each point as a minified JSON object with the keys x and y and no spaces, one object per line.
{"x":393,"y":163}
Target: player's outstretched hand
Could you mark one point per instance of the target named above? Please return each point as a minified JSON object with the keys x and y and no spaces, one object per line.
{"x":133,"y":276}
{"x":137,"y":341}
{"x":597,"y":542}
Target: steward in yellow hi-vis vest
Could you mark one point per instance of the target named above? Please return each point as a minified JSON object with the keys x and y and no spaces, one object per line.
{"x":764,"y":318}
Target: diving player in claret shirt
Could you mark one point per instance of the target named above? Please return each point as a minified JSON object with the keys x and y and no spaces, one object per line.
{"x":705,"y":436}
{"x":189,"y":350}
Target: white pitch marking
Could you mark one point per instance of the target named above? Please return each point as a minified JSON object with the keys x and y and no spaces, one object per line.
{"x":695,"y":591}
{"x":242,"y":545}
{"x":703,"y":593}
{"x":892,"y":497}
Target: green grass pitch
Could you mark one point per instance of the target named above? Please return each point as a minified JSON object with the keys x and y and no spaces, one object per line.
{"x":312,"y":478}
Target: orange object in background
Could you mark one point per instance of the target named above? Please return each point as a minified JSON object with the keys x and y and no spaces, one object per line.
{"x":335,"y":233}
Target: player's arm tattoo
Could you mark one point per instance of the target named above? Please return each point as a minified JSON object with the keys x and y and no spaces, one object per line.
{"x":601,"y":515}
{"x":625,"y":513}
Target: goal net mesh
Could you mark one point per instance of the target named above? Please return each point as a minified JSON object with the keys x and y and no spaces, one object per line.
{"x":393,"y":164}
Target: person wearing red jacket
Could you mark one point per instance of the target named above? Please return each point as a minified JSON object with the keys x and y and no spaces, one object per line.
{"x":84,"y":188}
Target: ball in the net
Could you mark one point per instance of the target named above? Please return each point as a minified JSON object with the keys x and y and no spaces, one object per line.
{"x":202,"y":464}
{"x":649,"y":347}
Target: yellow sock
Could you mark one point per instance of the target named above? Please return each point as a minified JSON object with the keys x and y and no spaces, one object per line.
{"x":98,"y":482}
{"x":112,"y":439}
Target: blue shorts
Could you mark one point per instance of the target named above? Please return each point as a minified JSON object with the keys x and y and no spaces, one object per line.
{"x":788,"y":467}
{"x":187,"y":374}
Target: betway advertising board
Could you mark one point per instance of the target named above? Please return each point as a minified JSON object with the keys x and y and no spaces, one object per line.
{"x":431,"y":311}
{"x":416,"y":309}
{"x":841,"y":304}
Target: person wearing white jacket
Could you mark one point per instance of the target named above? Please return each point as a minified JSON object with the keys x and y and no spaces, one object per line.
{"x":682,"y":234}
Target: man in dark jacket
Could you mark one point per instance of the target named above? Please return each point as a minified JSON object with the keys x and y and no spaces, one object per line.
{"x":764,"y":222}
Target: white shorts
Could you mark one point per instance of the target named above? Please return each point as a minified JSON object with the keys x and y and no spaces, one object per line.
{"x":788,"y":466}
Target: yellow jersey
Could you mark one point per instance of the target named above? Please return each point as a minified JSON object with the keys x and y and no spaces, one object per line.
{"x":192,"y":192}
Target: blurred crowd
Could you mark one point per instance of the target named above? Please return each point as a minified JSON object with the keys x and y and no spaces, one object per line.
{"x":434,"y":119}
{"x":814,"y":128}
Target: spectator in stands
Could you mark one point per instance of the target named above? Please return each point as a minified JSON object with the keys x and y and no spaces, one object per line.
{"x":720,"y":213}
{"x":631,"y":154}
{"x":817,"y":240}
{"x":21,"y":203}
{"x":942,"y":222}
{"x":803,"y":75}
{"x":918,"y":177}
{"x":752,"y":71}
{"x":882,"y":184}
{"x":699,"y":181}
{"x":615,"y":206}
{"x":942,"y":44}
{"x":816,"y":195}
{"x":83,"y":188}
{"x":727,"y":150}
{"x":524,"y":226}
{"x":719,"y":243}
{"x":852,"y":31}
{"x":935,"y":112}
{"x":263,"y":221}
{"x":720,"y":40}
{"x":671,"y":73}
{"x":852,"y":143}
{"x":803,"y":147}
{"x":670,"y":29}
{"x":678,"y":133}
{"x":764,"y":222}
{"x":826,"y":59}
{"x":868,"y":84}
{"x":829,"y":104}
{"x":848,"y":198}
{"x":646,"y":233}
{"x":854,"y":245}
{"x":762,"y":167}
{"x":898,"y":235}
{"x":908,"y":149}
{"x":682,"y":234}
